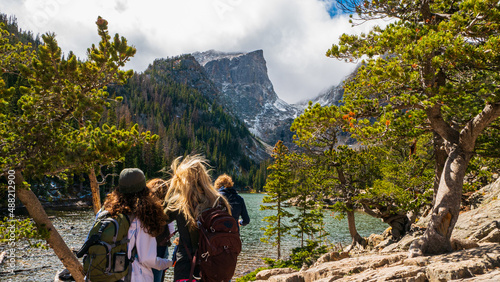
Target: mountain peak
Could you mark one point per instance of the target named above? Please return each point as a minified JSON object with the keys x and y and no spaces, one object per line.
{"x":245,"y":88}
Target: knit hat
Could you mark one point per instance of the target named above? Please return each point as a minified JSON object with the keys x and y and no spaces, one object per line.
{"x":132,"y":180}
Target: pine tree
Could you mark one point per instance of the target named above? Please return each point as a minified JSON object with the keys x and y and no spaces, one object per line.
{"x":345,"y":171}
{"x":55,"y":127}
{"x":308,"y":200}
{"x":404,"y":188}
{"x":279,"y":185}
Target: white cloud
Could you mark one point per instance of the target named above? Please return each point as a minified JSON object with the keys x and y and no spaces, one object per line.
{"x":294,"y":34}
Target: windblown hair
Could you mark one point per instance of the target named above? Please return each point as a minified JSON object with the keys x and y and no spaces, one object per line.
{"x":191,"y":190}
{"x":158,"y":187}
{"x":224,"y":180}
{"x":142,"y":204}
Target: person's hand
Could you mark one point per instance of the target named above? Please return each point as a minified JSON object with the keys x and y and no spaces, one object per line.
{"x":170,"y":263}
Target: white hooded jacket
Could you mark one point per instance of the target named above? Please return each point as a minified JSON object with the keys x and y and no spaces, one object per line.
{"x":146,"y":258}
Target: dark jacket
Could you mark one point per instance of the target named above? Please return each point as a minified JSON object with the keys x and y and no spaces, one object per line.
{"x":188,"y":243}
{"x":238,"y":207}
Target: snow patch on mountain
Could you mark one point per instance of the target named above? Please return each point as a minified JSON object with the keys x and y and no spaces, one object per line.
{"x":204,"y":57}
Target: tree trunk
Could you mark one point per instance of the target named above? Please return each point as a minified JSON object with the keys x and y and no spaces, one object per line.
{"x":302,"y":233}
{"x":399,"y":225}
{"x":54,"y":239}
{"x":436,"y":239}
{"x":279,"y":231}
{"x":112,"y":181}
{"x":351,"y":222}
{"x":440,"y":156}
{"x":96,"y":195}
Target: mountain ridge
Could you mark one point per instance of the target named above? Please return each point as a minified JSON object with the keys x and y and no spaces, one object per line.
{"x":239,"y":82}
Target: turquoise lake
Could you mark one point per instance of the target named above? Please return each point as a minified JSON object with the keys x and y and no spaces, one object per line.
{"x":254,"y":250}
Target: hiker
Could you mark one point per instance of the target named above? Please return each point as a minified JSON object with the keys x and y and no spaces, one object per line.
{"x":133,"y":198}
{"x":159,"y":189}
{"x":189,"y":194}
{"x":224,"y":184}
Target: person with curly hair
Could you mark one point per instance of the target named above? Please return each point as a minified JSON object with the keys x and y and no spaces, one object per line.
{"x":134,"y":199}
{"x":224,"y":184}
{"x":159,"y":188}
{"x":190,"y":193}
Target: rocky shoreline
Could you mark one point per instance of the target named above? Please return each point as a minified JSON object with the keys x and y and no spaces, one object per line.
{"x":476,"y":264}
{"x":475,"y":239}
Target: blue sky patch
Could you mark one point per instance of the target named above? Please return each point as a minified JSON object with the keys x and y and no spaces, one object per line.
{"x":332,"y":7}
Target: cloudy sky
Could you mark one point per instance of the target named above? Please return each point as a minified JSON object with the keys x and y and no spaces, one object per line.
{"x":294,"y":34}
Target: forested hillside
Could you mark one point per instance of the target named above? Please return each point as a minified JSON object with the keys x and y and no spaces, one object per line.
{"x":19,"y":35}
{"x":164,"y":100}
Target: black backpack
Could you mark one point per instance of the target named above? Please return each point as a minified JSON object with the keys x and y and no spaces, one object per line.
{"x":219,"y":244}
{"x":105,"y":251}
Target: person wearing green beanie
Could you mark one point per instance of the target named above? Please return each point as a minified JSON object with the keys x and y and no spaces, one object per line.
{"x":133,"y":198}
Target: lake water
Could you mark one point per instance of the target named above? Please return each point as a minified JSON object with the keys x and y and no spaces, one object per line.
{"x":254,"y":250}
{"x":34,"y":264}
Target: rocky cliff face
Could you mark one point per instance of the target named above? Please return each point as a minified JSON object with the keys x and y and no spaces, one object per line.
{"x":246,"y":90}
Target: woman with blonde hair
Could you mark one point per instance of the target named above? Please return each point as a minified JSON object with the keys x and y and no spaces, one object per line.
{"x":190,"y":193}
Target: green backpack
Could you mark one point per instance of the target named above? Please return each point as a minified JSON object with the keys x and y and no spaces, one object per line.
{"x":105,"y":251}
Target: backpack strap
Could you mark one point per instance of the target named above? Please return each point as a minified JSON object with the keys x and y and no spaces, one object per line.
{"x":133,"y":253}
{"x":92,"y":240}
{"x":106,"y":223}
{"x":130,"y":218}
{"x":164,"y":238}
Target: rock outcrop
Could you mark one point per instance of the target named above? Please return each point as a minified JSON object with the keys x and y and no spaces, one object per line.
{"x":483,"y":218}
{"x":477,"y":263}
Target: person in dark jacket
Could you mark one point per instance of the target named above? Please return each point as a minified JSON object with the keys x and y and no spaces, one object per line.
{"x":224,"y":184}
